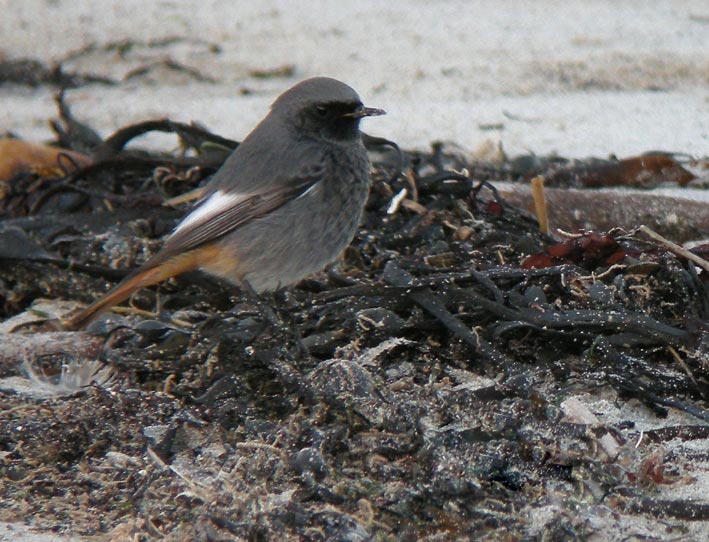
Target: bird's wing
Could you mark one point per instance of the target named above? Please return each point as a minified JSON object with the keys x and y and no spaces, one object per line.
{"x":224,"y":211}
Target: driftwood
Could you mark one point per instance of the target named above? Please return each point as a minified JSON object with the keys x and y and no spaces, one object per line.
{"x":675,"y":216}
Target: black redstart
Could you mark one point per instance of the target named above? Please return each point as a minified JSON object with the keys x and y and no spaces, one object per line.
{"x":285,"y":203}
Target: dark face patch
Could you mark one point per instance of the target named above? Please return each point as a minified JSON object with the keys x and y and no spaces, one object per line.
{"x":331,"y":120}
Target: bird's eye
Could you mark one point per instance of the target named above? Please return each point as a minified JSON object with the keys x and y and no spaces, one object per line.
{"x":322,"y":111}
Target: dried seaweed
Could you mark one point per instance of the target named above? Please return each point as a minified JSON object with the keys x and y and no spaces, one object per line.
{"x":412,"y":392}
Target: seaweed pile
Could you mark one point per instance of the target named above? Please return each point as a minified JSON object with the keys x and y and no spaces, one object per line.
{"x":433,"y":385}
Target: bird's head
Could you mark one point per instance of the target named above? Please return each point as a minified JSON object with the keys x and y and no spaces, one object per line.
{"x":322,"y":107}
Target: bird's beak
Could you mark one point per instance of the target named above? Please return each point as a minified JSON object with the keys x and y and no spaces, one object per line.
{"x":365,"y":112}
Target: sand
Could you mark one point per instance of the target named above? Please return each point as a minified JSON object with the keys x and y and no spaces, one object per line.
{"x":574,"y":78}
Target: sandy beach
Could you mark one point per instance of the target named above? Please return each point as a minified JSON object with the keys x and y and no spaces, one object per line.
{"x":571,"y":78}
{"x":575,"y":78}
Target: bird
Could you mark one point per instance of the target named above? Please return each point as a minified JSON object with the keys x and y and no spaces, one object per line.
{"x":285,"y":203}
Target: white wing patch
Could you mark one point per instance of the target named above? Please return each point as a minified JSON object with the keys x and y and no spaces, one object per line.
{"x":212,"y":206}
{"x":308,"y":190}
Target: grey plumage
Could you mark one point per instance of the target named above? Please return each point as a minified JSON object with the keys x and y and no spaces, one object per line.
{"x":305,"y":152}
{"x":285,"y":203}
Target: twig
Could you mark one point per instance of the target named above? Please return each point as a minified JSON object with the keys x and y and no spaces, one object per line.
{"x":540,"y":203}
{"x":673,"y":247}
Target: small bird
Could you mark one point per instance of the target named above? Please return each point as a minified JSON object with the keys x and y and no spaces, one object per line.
{"x":283,"y":205}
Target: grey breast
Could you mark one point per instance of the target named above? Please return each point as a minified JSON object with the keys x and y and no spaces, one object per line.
{"x":311,"y":231}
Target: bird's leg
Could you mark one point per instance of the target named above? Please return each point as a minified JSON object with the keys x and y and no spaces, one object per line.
{"x":272,"y":318}
{"x":282,"y":366}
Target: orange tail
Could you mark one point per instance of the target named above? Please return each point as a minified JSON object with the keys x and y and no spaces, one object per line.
{"x":140,"y":279}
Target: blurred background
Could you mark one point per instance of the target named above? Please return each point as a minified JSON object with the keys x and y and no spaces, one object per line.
{"x":575,"y":78}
